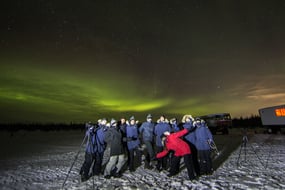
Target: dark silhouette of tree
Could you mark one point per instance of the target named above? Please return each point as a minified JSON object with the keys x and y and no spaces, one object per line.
{"x":248,"y":122}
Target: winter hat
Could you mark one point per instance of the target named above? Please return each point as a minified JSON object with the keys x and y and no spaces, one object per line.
{"x":198,"y":119}
{"x":149,"y":116}
{"x":173,"y":120}
{"x":113,"y":121}
{"x":132,"y":118}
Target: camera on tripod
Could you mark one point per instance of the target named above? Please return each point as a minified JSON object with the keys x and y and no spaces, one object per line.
{"x":90,"y":127}
{"x":244,"y":140}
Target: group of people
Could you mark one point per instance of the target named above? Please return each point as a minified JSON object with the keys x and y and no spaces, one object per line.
{"x":112,"y":145}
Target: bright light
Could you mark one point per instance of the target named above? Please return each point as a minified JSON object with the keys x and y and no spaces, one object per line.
{"x":280,"y":112}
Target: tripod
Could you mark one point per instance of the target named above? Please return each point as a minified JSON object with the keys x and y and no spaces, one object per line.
{"x":74,"y":161}
{"x":244,"y":148}
{"x":213,"y":146}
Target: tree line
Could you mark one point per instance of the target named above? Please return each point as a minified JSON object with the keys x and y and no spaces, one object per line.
{"x":247,"y":122}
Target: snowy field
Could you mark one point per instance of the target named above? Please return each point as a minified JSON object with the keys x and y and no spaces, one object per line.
{"x":259,"y":165}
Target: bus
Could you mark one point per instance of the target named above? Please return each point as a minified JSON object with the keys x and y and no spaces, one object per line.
{"x":218,"y":122}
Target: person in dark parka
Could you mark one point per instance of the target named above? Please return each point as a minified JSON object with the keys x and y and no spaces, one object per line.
{"x":101,"y":146}
{"x":146,"y":130}
{"x":90,"y":152}
{"x":113,"y":138}
{"x":188,"y":121}
{"x":203,"y":137}
{"x":133,"y":143}
{"x":174,"y":125}
{"x":161,"y":127}
{"x":123,"y":129}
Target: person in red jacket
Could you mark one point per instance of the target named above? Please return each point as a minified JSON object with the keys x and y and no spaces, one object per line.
{"x":173,"y":142}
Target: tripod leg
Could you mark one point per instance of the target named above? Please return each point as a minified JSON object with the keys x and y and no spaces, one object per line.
{"x":245,"y":153}
{"x":259,"y":157}
{"x":239,"y":154}
{"x":268,"y":157}
{"x":74,"y":161}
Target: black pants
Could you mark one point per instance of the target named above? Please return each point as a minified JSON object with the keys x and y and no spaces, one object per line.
{"x":194,"y":154}
{"x":161,"y":162}
{"x":97,"y":169}
{"x":149,"y":154}
{"x":175,"y":165}
{"x":188,"y":160}
{"x":134,"y":158}
{"x":205,"y":161}
{"x":89,"y":158}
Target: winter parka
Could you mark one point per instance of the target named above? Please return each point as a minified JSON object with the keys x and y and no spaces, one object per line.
{"x":175,"y":127}
{"x":100,"y":139}
{"x":91,"y":147}
{"x":175,"y":143}
{"x":159,"y":129}
{"x":191,"y":136}
{"x":147,"y":129}
{"x":202,"y":135}
{"x":132,"y":136}
{"x":113,"y":138}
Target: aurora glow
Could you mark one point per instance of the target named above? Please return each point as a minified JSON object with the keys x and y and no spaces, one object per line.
{"x":82,"y":62}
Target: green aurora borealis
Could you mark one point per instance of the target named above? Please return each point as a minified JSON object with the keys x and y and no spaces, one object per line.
{"x":33,"y":92}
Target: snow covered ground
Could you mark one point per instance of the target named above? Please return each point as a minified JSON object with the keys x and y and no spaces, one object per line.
{"x":259,"y":165}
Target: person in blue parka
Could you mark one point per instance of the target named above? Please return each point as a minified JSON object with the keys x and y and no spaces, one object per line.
{"x":146,"y":130}
{"x":133,"y":143}
{"x":174,"y":125}
{"x":159,"y":129}
{"x":90,"y":151}
{"x":187,"y":121}
{"x":101,"y":145}
{"x":203,"y":138}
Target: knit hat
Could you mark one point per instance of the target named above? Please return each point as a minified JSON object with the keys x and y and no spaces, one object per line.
{"x":149,"y":116}
{"x":113,"y":121}
{"x":132,"y":118}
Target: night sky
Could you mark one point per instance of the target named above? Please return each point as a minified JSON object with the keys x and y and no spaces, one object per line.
{"x":64,"y":61}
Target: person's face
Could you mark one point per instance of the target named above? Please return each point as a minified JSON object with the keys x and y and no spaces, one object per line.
{"x":149,"y":119}
{"x":103,"y":122}
{"x":187,"y":119}
{"x":133,"y":122}
{"x":162,"y":118}
{"x":123,"y":121}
